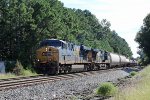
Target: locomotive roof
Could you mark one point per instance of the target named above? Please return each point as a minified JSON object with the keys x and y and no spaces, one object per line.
{"x":86,"y":48}
{"x":96,"y":50}
{"x":57,"y":40}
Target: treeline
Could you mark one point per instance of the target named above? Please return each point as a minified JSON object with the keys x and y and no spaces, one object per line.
{"x":24,"y":23}
{"x":143,"y":39}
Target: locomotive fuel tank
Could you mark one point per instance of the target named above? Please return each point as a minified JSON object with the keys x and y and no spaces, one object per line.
{"x":77,"y":68}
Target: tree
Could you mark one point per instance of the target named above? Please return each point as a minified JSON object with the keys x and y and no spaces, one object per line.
{"x":15,"y":17}
{"x":24,"y":23}
{"x":143,"y":36}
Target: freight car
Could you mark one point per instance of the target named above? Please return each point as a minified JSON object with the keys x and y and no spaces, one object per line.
{"x":56,"y":56}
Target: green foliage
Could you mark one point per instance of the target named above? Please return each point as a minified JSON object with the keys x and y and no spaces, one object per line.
{"x":143,"y":37}
{"x":28,"y":72}
{"x":18,"y":70}
{"x":138,"y":91}
{"x":106,"y":89}
{"x":24,"y":23}
{"x":9,"y":66}
{"x":133,"y":73}
{"x":144,"y":59}
{"x":119,"y":45}
{"x":8,"y":75}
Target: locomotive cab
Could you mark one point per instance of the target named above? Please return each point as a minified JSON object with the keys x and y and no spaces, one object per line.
{"x":48,"y":55}
{"x":48,"y":51}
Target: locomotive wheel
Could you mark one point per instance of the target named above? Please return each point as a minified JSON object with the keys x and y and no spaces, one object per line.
{"x":86,"y":67}
{"x":56,"y":71}
{"x":51,"y":71}
{"x":65,"y":71}
{"x":38,"y":71}
{"x":60,"y":71}
{"x":69,"y":68}
{"x":99,"y":67}
{"x":108,"y":66}
{"x":90,"y":68}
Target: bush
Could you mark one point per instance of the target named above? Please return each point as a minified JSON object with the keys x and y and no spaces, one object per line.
{"x":9,"y":66}
{"x":30,"y":67}
{"x":15,"y":67}
{"x":18,"y":70}
{"x":106,"y":89}
{"x":133,"y":73}
{"x":28,"y":72}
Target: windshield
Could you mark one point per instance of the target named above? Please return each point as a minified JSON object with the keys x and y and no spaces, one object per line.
{"x":55,"y":43}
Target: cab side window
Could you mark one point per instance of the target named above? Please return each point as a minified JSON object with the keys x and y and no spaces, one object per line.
{"x":106,"y":56}
{"x":64,"y":46}
{"x":71,"y":46}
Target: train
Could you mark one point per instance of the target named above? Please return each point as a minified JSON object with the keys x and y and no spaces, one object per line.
{"x":55,"y":56}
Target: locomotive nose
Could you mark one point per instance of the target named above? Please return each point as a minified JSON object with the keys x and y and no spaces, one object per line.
{"x":47,"y":54}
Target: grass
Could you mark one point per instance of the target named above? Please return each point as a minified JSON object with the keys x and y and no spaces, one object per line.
{"x":139,"y":91}
{"x":8,"y":75}
{"x":28,"y":72}
{"x":24,"y":73}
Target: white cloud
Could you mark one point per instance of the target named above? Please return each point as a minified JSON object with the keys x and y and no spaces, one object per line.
{"x":125,"y":16}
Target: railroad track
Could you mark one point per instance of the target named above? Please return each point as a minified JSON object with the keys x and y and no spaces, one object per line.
{"x":12,"y":83}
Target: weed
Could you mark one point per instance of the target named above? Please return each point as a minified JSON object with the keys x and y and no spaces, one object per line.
{"x":106,"y":89}
{"x":133,"y":73}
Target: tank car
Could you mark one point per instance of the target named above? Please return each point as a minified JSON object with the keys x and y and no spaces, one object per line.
{"x":115,"y":60}
{"x":123,"y":61}
{"x":132,"y":62}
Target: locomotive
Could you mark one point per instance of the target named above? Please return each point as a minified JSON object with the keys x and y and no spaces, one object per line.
{"x":57,"y":56}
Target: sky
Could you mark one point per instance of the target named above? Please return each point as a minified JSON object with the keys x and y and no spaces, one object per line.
{"x":126,"y":16}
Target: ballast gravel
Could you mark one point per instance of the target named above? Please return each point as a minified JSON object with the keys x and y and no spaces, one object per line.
{"x":61,"y":90}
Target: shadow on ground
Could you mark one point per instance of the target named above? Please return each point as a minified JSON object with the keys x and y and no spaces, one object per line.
{"x":130,"y":69}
